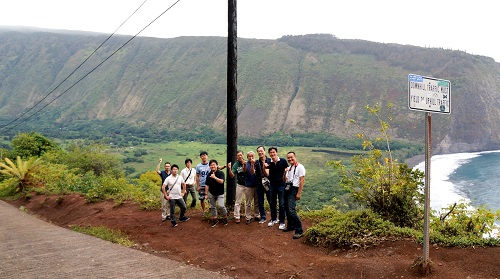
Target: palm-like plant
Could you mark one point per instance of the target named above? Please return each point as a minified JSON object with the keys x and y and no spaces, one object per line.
{"x":22,"y":171}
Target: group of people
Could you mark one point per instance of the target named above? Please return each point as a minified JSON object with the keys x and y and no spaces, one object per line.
{"x":279,"y":181}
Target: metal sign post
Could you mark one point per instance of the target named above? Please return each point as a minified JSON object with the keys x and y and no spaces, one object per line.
{"x":427,"y":208}
{"x":429,"y":95}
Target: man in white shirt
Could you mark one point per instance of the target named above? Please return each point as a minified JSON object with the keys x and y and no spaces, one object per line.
{"x":176,"y":190}
{"x":294,"y":183}
{"x":188,"y":175}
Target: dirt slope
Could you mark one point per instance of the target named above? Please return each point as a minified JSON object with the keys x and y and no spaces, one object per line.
{"x":256,"y":251}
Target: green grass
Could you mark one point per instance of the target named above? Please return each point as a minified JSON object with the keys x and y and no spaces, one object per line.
{"x":321,"y":180}
{"x":174,"y":152}
{"x":105,"y":233}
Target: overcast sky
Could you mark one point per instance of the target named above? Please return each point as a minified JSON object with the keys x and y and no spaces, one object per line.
{"x":470,"y":26}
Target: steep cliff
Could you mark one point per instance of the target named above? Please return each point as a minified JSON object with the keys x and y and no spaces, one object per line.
{"x":312,"y":83}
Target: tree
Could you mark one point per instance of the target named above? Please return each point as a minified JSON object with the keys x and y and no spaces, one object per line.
{"x":32,"y":144}
{"x":91,"y":157}
{"x":23,"y":171}
{"x":381,"y":183}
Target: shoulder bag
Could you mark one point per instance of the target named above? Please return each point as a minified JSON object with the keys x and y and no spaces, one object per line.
{"x":265,"y":181}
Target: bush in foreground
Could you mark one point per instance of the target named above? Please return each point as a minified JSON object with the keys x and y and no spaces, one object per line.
{"x":464,"y":226}
{"x":354,"y":229}
{"x":364,"y":228}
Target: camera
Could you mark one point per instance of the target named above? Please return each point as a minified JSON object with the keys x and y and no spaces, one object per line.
{"x":288,"y":185}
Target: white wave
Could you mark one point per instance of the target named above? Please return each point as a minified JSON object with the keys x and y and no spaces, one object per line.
{"x":442,"y":192}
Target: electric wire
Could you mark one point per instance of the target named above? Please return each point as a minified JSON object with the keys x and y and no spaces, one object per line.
{"x":92,"y":70}
{"x":79,"y":66}
{"x":71,"y":74}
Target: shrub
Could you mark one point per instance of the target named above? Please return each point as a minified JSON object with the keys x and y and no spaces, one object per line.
{"x":149,"y":195}
{"x":318,"y":216}
{"x":464,"y":226}
{"x":360,"y":228}
{"x":384,"y":185}
{"x":84,"y":158}
{"x":109,"y":187}
{"x":149,"y":190}
{"x":8,"y":188}
{"x":32,"y":144}
{"x":57,"y":179}
{"x":22,"y":171}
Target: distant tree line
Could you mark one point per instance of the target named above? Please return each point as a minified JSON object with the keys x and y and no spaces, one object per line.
{"x":120,"y":134}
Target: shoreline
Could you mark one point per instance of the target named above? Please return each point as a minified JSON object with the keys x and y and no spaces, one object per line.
{"x":414,"y":161}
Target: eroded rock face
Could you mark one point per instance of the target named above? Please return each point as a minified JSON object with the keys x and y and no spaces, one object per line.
{"x":296,"y":84}
{"x":447,"y":146}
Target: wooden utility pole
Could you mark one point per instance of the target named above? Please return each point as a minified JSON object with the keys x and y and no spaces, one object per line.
{"x":232,"y":98}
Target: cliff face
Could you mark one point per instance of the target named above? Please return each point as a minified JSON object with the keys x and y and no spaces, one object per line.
{"x":313,"y":83}
{"x":473,"y":124}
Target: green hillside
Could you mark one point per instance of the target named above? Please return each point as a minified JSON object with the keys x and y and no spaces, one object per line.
{"x":296,"y":84}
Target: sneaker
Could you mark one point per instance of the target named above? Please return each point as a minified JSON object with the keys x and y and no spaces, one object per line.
{"x":214,"y":223}
{"x":248,"y":221}
{"x":174,"y":224}
{"x":165,"y":218}
{"x":262,"y":221}
{"x":237,"y":221}
{"x":257,"y":218}
{"x":184,"y":219}
{"x":297,"y":235}
{"x":282,"y":226}
{"x":224,"y":221}
{"x":272,"y":222}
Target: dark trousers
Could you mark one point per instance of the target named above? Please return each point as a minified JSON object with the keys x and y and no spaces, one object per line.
{"x":190,"y":191}
{"x":291,"y":210}
{"x":260,"y":200}
{"x":277,"y":190}
{"x":182,"y":206}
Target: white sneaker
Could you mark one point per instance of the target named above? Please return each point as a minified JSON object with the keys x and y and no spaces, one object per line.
{"x":271,"y":223}
{"x":282,"y":226}
{"x":262,"y":221}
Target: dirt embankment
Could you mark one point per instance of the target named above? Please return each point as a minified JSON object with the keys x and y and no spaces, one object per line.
{"x":258,"y":251}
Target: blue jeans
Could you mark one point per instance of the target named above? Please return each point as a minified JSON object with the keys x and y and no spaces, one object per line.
{"x":260,"y":200}
{"x":277,"y":190}
{"x":291,"y":211}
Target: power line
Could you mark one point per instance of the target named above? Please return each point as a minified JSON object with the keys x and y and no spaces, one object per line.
{"x":93,"y":69}
{"x":60,"y":83}
{"x":52,"y":91}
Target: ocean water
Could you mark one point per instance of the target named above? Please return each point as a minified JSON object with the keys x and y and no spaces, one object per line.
{"x":469,"y":177}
